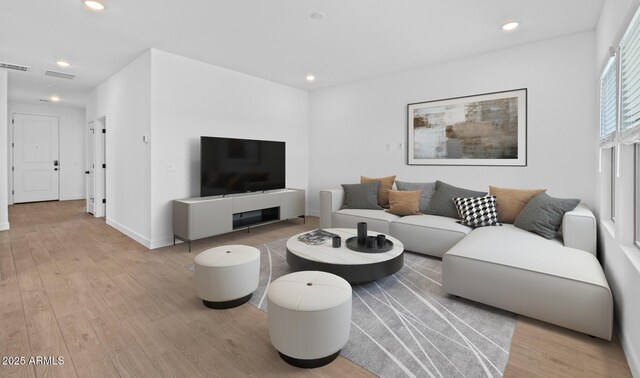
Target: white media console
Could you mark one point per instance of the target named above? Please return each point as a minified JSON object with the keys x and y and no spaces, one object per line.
{"x":202,"y":217}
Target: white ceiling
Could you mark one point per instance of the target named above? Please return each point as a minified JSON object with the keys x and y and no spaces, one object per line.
{"x":272,"y":39}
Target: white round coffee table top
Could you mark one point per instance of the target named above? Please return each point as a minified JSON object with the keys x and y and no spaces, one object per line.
{"x":325,"y":253}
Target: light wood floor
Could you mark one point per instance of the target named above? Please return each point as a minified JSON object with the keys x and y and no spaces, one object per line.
{"x":72,"y":286}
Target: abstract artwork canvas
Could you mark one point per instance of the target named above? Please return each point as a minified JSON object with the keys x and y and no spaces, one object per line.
{"x":487,"y":129}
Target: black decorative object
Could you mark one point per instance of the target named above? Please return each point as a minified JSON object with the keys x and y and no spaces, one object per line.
{"x":337,"y":241}
{"x":352,"y":244}
{"x":382,"y":240}
{"x":362,"y":232}
{"x":370,"y":241}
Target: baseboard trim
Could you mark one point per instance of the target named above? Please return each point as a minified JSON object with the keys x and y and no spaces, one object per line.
{"x":4,"y":226}
{"x":162,"y":243}
{"x":130,"y":233}
{"x":72,"y":198}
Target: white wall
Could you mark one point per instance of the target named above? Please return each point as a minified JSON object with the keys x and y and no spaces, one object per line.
{"x":617,"y":252}
{"x":351,"y":124}
{"x":4,"y":156}
{"x":125,"y":100}
{"x":71,"y":153}
{"x":192,"y":99}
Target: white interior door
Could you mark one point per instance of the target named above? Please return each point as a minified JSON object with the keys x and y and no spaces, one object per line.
{"x":90,"y":164}
{"x":35,"y":158}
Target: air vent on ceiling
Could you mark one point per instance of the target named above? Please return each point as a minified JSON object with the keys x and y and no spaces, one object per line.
{"x":16,"y":67}
{"x":44,"y":100}
{"x":59,"y":75}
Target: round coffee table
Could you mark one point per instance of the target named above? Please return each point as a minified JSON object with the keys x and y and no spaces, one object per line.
{"x":355,"y":267}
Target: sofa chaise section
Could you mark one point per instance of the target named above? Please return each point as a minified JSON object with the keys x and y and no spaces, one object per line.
{"x":516,"y":270}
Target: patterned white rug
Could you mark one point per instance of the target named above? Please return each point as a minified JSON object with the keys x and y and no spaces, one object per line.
{"x":405,"y":325}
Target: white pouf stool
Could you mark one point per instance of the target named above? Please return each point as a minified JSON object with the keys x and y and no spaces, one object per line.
{"x":309,"y":317}
{"x":227,"y":276}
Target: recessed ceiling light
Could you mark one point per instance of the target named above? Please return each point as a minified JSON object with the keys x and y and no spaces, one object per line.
{"x":54,"y":98}
{"x":94,"y":4}
{"x":317,"y":15}
{"x":509,"y":26}
{"x":310,"y":77}
{"x":63,"y":63}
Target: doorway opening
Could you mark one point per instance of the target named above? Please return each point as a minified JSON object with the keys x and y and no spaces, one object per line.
{"x":96,"y":167}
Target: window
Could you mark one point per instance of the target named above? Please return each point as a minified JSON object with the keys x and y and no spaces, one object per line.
{"x":609,"y":101}
{"x":630,"y":76}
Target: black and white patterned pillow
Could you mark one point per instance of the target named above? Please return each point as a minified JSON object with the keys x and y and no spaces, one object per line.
{"x":477,"y":211}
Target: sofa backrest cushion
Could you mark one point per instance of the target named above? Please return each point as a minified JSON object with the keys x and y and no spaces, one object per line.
{"x":427,"y":188}
{"x":510,"y":202}
{"x":442,"y":201}
{"x":404,"y":203}
{"x":386,"y":184}
{"x":361,"y":196}
{"x":543,"y":214}
{"x":477,"y":211}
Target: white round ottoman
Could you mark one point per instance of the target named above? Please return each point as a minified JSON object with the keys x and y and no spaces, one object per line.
{"x":227,"y":276}
{"x":309,"y":317}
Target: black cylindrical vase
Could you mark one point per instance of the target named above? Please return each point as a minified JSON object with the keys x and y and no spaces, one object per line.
{"x":336,"y":241}
{"x":370,"y":241}
{"x":362,"y":232}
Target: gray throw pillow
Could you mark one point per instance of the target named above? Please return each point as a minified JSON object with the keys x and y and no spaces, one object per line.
{"x":543,"y":214}
{"x":427,"y":188}
{"x":442,"y":200}
{"x":361,"y":196}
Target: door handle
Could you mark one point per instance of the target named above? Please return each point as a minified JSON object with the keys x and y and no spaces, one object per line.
{"x":55,"y":169}
{"x":86,"y":172}
{"x":55,"y":163}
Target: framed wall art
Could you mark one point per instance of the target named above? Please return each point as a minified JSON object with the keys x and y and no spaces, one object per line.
{"x":486,"y":129}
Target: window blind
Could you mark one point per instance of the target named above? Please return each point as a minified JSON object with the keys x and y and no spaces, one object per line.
{"x":608,"y":100}
{"x":630,"y":76}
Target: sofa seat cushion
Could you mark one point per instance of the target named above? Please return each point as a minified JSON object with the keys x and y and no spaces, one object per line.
{"x":514,"y":247}
{"x":429,"y":234}
{"x":377,"y":220}
{"x":519,"y":271}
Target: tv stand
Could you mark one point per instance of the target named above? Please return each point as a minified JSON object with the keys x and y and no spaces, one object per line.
{"x":202,"y":217}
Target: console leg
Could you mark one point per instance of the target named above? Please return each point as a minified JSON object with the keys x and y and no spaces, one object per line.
{"x":189,"y":246}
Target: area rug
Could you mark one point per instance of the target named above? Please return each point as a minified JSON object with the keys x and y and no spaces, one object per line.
{"x":405,"y":325}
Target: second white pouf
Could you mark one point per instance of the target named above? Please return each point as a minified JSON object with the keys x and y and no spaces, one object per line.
{"x":309,"y":317}
{"x":227,"y":276}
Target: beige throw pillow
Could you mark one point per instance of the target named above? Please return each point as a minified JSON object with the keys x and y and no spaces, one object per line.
{"x":510,"y":202}
{"x":386,"y":183}
{"x":404,"y":203}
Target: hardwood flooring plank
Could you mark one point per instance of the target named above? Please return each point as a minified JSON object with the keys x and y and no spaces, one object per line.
{"x":94,"y":363}
{"x":10,"y":300}
{"x":14,"y":342}
{"x":134,"y":362}
{"x":173,"y":364}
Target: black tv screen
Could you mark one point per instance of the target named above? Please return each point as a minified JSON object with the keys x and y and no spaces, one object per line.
{"x":230,"y":165}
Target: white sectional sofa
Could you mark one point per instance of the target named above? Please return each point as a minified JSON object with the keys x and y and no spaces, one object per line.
{"x":559,"y":281}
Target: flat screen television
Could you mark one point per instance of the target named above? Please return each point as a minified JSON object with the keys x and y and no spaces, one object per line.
{"x":229,"y":165}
